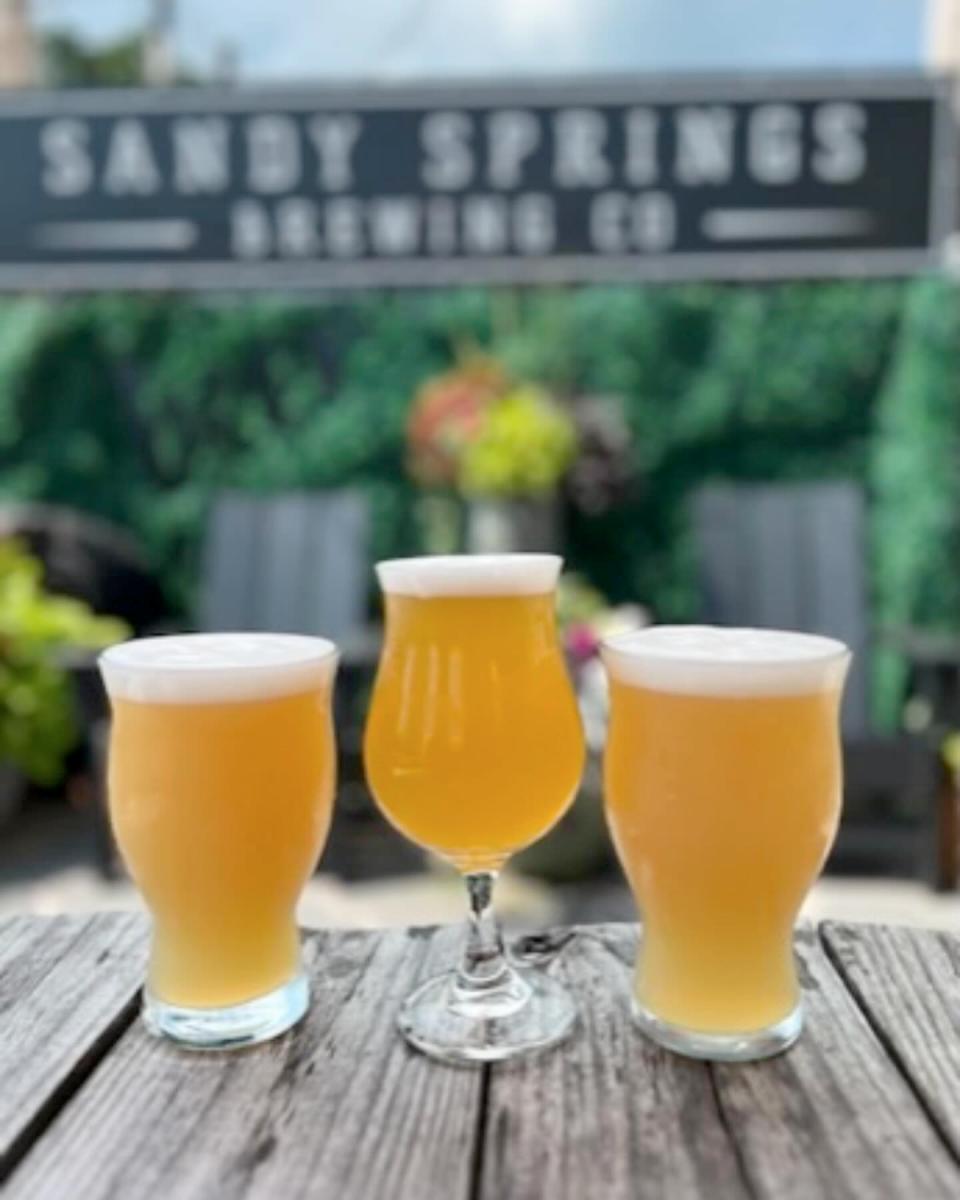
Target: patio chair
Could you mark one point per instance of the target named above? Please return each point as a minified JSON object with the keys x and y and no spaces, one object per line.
{"x":792,"y":556}
{"x":300,"y":562}
{"x":297,"y":562}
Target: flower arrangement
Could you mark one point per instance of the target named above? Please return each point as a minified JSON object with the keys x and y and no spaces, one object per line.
{"x":447,"y":413}
{"x":585,"y":617}
{"x":476,"y":431}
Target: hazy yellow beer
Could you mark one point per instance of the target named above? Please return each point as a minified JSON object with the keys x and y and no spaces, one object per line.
{"x":474,"y":749}
{"x":723,"y":789}
{"x":474,"y":746}
{"x":221,"y":783}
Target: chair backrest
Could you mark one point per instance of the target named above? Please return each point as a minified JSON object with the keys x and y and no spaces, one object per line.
{"x":294,"y":563}
{"x":789,"y":556}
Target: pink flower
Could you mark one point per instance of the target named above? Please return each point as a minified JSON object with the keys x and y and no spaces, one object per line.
{"x":582,"y":642}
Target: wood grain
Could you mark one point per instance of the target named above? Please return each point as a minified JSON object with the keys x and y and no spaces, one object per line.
{"x":608,"y":1115}
{"x":67,"y":990}
{"x":866,"y":1105}
{"x":340,"y":1107}
{"x":908,"y":983}
{"x":833,"y":1118}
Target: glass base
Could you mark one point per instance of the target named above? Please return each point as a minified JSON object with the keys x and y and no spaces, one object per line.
{"x":721,"y":1047}
{"x":228,"y":1028}
{"x":528,"y":1014}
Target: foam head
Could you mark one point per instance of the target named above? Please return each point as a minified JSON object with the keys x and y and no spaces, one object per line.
{"x":706,"y":660}
{"x":470,"y":575}
{"x":199,"y":668}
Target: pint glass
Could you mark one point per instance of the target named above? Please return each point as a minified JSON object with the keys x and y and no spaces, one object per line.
{"x":221,"y":783}
{"x":722,"y":782}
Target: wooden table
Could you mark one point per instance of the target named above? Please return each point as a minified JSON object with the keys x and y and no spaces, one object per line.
{"x":866,"y":1106}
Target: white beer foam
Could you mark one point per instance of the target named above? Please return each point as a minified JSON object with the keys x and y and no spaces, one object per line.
{"x":204,"y":668}
{"x":470,"y":575}
{"x":707,"y":660}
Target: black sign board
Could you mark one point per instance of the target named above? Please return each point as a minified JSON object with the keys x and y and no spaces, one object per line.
{"x":528,"y":184}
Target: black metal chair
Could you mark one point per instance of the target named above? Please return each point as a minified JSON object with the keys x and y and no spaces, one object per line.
{"x":792,"y":556}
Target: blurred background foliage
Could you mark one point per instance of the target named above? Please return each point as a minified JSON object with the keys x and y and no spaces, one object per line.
{"x":38,"y":721}
{"x":139,"y":410}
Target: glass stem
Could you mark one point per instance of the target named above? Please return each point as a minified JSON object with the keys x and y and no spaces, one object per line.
{"x":484,"y":967}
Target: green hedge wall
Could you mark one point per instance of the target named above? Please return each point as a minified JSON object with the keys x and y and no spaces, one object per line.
{"x":140,"y":409}
{"x":915,"y":476}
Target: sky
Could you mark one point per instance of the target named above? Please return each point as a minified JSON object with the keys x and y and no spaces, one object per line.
{"x":317,"y":40}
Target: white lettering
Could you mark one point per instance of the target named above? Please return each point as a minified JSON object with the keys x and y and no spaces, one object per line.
{"x":608,"y":223}
{"x":704,"y":145}
{"x":273,"y":154}
{"x":774,"y":151}
{"x":130,"y":169}
{"x":534,"y":223}
{"x":619,"y":223}
{"x":68,"y":170}
{"x":839,"y":129}
{"x":580,"y":135}
{"x":335,"y":139}
{"x":441,"y":225}
{"x":250,"y":233}
{"x":395,"y":224}
{"x":201,"y":154}
{"x":653,"y":222}
{"x":642,"y":127}
{"x":297,"y":235}
{"x":485,"y":229}
{"x":343,"y":227}
{"x":513,"y":136}
{"x":446,"y":138}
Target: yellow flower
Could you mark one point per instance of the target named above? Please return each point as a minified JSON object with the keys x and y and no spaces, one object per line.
{"x":523,"y":446}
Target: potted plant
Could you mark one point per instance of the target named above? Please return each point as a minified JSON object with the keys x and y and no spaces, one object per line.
{"x":446,"y":414}
{"x":499,"y":446}
{"x":37,"y":720}
{"x":511,"y":469}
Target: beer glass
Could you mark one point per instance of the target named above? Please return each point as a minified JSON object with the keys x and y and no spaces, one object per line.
{"x":722,"y":780}
{"x":474,"y":749}
{"x":221,"y":782}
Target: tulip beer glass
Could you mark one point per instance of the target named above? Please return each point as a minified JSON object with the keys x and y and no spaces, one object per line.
{"x":221,"y":785}
{"x":723,"y":785}
{"x":474,"y":749}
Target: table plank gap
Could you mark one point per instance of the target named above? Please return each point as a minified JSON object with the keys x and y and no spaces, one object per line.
{"x":735,"y":1147}
{"x":907,"y":985}
{"x":340,"y":1106}
{"x":607,"y":1115}
{"x":833,"y":1119}
{"x":480,"y":1134}
{"x":64,"y":1092}
{"x":68,"y":991}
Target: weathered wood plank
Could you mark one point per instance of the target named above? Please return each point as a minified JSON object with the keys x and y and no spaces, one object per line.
{"x":907,"y":981}
{"x":340,"y":1107}
{"x":608,"y":1115}
{"x":833,"y":1118}
{"x":67,"y":991}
